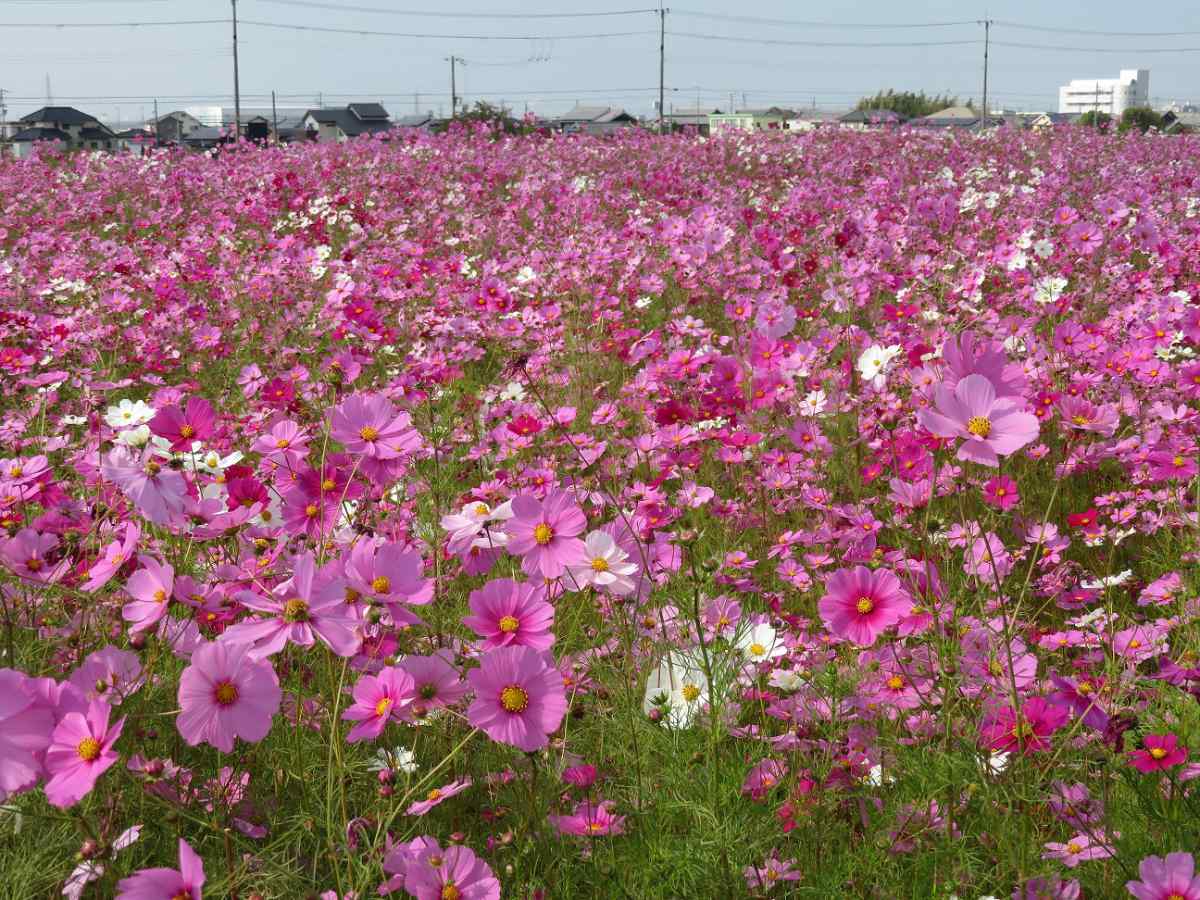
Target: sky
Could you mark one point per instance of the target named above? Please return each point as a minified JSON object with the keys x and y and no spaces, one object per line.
{"x":752,"y":54}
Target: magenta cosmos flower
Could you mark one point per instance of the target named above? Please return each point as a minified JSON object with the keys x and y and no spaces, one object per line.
{"x":301,"y":609}
{"x":545,"y":533}
{"x":150,"y":587}
{"x":859,"y":604}
{"x":438,"y":795}
{"x":590,"y":820}
{"x":990,"y":426}
{"x":183,"y":883}
{"x":507,"y":613}
{"x":1169,"y":878}
{"x":369,"y":424}
{"x":1159,"y":752}
{"x":1027,"y":731}
{"x":519,"y":697}
{"x":194,"y":422}
{"x":378,"y":699}
{"x":224,"y":694}
{"x":454,"y":874}
{"x":80,"y":752}
{"x":25,"y":728}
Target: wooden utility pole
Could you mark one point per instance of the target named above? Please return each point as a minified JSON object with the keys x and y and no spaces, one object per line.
{"x":453,"y":88}
{"x":987,"y":33}
{"x":237,"y":87}
{"x":662,"y":64}
{"x":275,"y":116}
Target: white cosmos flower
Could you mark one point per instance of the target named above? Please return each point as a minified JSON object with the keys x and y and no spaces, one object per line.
{"x":813,"y":404}
{"x":398,"y":758}
{"x":606,"y":566}
{"x":1044,"y":249}
{"x":785,"y":679}
{"x":1049,"y":289}
{"x":513,"y":391}
{"x":677,"y":689}
{"x":760,"y":643}
{"x":134,"y":437}
{"x":210,"y":461}
{"x":465,"y":525}
{"x":874,"y":363}
{"x":129,"y":413}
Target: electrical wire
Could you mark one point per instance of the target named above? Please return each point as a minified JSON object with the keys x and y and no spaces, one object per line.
{"x":1095,"y":49}
{"x":755,"y":20}
{"x":56,"y":25}
{"x":367,"y":32}
{"x":317,"y":4}
{"x":792,"y":43}
{"x":1054,"y":30}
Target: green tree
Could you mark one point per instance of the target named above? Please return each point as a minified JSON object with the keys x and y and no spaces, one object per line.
{"x":908,"y":103}
{"x":1143,"y":118}
{"x":1096,"y":119}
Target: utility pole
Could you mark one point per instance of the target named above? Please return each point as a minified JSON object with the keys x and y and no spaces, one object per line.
{"x":275,"y":116}
{"x":987,"y":34}
{"x":3,"y":118}
{"x":453,"y":88}
{"x":237,"y":86}
{"x":662,"y":62}
{"x":157,"y":124}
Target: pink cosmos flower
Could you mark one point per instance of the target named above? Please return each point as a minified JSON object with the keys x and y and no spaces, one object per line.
{"x":108,"y":674}
{"x":225,"y":694}
{"x":605,"y":566}
{"x":80,"y":751}
{"x":437,"y":795}
{"x":370,"y":425}
{"x":151,"y":587}
{"x":378,"y":699}
{"x":519,"y":697}
{"x":764,"y":878}
{"x":1080,"y":848}
{"x":991,"y":427}
{"x":859,"y":603}
{"x":285,"y":443}
{"x":545,"y":533}
{"x":967,"y":355}
{"x":508,"y":613}
{"x":455,"y":874}
{"x":182,"y":427}
{"x":1027,"y":731}
{"x":115,"y":556}
{"x":159,"y":492}
{"x":183,"y":883}
{"x":436,"y":680}
{"x":1160,"y":752}
{"x":25,"y":729}
{"x":301,"y":609}
{"x":1169,"y":878}
{"x":764,"y":778}
{"x":1001,"y":492}
{"x":392,"y":575}
{"x":25,"y":555}
{"x":590,"y":820}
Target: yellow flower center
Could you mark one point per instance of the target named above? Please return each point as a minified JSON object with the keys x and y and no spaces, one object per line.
{"x":980,"y":426}
{"x":226,"y":693}
{"x":481,"y":509}
{"x":864,"y":605}
{"x":450,"y":892}
{"x":1079,"y":420}
{"x":311,"y":510}
{"x":1074,"y":848}
{"x":160,"y":596}
{"x":328,"y":484}
{"x":599,"y":564}
{"x":1085,"y":687}
{"x":295,"y":610}
{"x":352,"y":595}
{"x":757,"y":650}
{"x":1178,"y":462}
{"x":595,"y":827}
{"x":382,"y":707}
{"x":543,"y":533}
{"x":186,"y":431}
{"x":33,"y":564}
{"x":381,"y":584}
{"x":367,"y":433}
{"x":895,"y":682}
{"x":1158,"y":752}
{"x":153,"y":468}
{"x":690,"y":692}
{"x":514,"y":699}
{"x":88,"y":749}
{"x":283,"y":443}
{"x":434,"y":794}
{"x":16,"y":472}
{"x":509,"y":624}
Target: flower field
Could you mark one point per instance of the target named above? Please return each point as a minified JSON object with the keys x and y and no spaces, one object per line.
{"x":466,"y":516}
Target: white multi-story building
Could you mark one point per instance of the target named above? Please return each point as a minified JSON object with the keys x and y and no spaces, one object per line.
{"x":1106,"y":95}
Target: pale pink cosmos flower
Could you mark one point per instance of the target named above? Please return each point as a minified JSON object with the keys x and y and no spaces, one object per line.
{"x":392,"y":575}
{"x":80,"y":751}
{"x":26,"y":554}
{"x":605,"y":566}
{"x":859,"y":603}
{"x":109,"y":674}
{"x":991,"y":426}
{"x":1080,"y":848}
{"x":590,"y":820}
{"x":150,"y":587}
{"x":115,"y":556}
{"x":370,"y":425}
{"x":436,"y":680}
{"x":225,"y":694}
{"x":453,"y":874}
{"x":438,"y":795}
{"x":519,"y":697}
{"x":301,"y":609}
{"x":378,"y":699}
{"x":25,"y":729}
{"x":545,"y":533}
{"x":158,"y":491}
{"x":508,"y":613}
{"x":474,"y":523}
{"x":1166,"y":878}
{"x":183,"y":883}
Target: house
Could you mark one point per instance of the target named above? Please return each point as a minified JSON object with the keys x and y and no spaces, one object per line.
{"x":861,"y":119}
{"x":173,"y":127}
{"x":415,"y":122}
{"x":76,"y":130}
{"x":771,"y":119}
{"x":594,"y":120}
{"x":680,"y":119}
{"x":951,"y":117}
{"x":206,"y":137}
{"x":812,"y":119}
{"x":1181,"y":122}
{"x":1047,"y":120}
{"x":133,"y":140}
{"x":343,"y":123}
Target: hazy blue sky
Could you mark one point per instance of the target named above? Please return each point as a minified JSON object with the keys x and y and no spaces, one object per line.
{"x":121,"y":69}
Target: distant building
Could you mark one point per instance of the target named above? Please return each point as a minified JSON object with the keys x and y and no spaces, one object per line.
{"x":811,"y":119}
{"x":952,"y":117}
{"x":594,"y":120}
{"x":1107,"y":95}
{"x":681,"y":119}
{"x":173,"y":127}
{"x":772,"y":119}
{"x":861,"y":119}
{"x":1181,"y":122}
{"x":342,"y":123}
{"x":67,"y":125}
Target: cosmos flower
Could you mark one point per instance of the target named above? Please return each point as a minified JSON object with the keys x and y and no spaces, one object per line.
{"x":545,"y":533}
{"x":507,"y":613}
{"x":859,"y":604}
{"x":378,"y":699}
{"x":590,"y":820}
{"x":370,"y":425}
{"x":150,"y":587}
{"x":990,"y":426}
{"x":225,"y":694}
{"x":1159,"y":752}
{"x":676,"y":690}
{"x":195,"y":421}
{"x":1166,"y":878}
{"x":183,"y":883}
{"x":438,"y":795}
{"x":519,"y":697}
{"x":606,"y":566}
{"x":80,"y":751}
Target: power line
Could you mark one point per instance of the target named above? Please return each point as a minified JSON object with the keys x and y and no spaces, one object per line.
{"x":368,"y":32}
{"x":317,"y":4}
{"x":179,"y":22}
{"x":1125,"y":50}
{"x":755,"y":20}
{"x":1048,"y":28}
{"x":792,"y":43}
